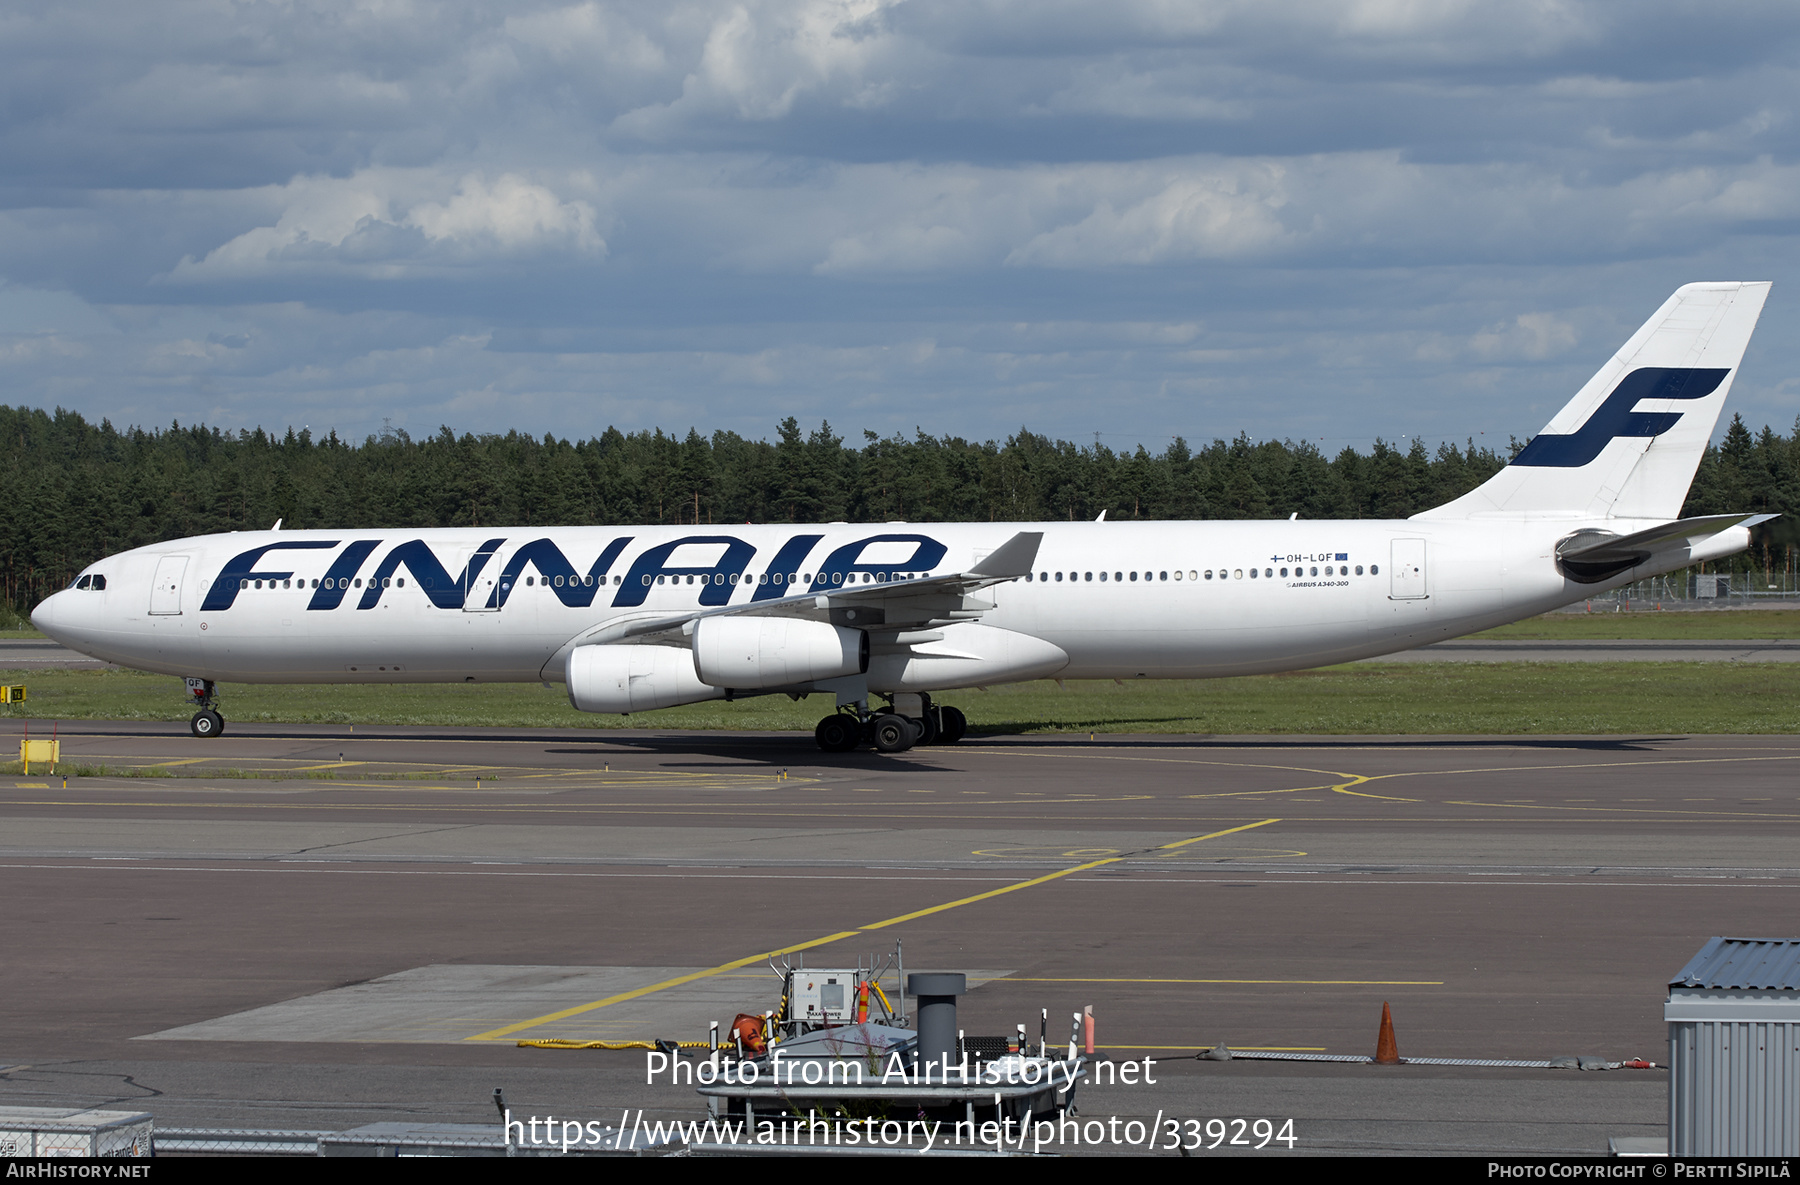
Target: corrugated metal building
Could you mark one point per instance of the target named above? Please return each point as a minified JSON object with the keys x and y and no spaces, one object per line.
{"x":1734,"y":1050}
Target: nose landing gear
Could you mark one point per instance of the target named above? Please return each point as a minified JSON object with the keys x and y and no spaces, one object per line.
{"x":206,"y":722}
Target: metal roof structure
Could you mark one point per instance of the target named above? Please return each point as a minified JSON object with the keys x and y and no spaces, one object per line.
{"x":1745,"y":964}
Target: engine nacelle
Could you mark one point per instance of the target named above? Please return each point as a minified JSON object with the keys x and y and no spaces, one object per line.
{"x":968,"y":655}
{"x":751,"y":652}
{"x":633,"y":679}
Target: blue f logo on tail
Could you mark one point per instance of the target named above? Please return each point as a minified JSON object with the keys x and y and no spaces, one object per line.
{"x":1615,"y":417}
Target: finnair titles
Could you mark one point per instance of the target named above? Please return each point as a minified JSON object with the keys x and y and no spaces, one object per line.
{"x":885,"y":620}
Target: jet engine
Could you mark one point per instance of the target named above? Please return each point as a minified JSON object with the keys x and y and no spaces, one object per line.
{"x":633,"y":679}
{"x":966,"y":655}
{"x":749,"y":652}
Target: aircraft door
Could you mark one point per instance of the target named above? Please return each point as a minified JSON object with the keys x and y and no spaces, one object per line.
{"x":1407,"y":571}
{"x":478,"y":591}
{"x":165,"y":594}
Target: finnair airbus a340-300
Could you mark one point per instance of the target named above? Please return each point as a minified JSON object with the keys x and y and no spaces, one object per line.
{"x":636,"y":618}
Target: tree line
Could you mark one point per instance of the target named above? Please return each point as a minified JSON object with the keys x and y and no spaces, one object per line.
{"x":72,"y":492}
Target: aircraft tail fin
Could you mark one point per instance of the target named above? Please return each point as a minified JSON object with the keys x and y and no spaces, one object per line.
{"x":1629,"y":442}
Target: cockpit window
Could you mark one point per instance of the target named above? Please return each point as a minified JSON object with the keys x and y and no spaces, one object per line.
{"x":84,"y":582}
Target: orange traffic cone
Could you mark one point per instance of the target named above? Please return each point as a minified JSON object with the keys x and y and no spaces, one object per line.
{"x":1387,"y":1053}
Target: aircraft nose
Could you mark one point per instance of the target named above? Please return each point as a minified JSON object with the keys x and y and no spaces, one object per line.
{"x":44,"y":617}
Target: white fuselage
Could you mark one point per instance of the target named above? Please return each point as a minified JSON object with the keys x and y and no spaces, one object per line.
{"x":1121,"y":600}
{"x":633,"y":619}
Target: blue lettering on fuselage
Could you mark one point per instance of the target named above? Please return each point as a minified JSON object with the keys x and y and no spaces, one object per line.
{"x":785,"y":564}
{"x":557,"y":572}
{"x":1615,"y":417}
{"x":717,"y":582}
{"x":444,"y":590}
{"x":843,"y":564}
{"x":714,"y":589}
{"x":240,"y":567}
{"x":331,"y":590}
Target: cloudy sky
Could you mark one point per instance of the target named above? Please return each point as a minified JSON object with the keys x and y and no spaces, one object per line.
{"x":1310,"y":219}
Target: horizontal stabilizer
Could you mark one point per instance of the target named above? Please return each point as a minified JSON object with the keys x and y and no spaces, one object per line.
{"x":1593,"y":556}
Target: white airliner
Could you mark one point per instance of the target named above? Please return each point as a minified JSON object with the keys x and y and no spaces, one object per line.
{"x":632,"y":619}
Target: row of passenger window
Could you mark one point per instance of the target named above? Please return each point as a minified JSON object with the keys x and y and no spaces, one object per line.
{"x":773,"y":578}
{"x":328,"y":582}
{"x":587,"y":581}
{"x":1207,"y":574}
{"x":99,"y":582}
{"x":578,"y":581}
{"x":385,"y":582}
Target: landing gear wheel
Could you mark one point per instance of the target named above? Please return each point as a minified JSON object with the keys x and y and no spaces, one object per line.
{"x":952,"y":724}
{"x":929,"y":728}
{"x":207,"y":723}
{"x":838,"y":733}
{"x":893,"y":734}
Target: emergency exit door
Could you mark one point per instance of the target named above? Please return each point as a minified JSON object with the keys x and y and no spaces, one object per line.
{"x":1407,"y":570}
{"x":165,"y":594}
{"x":476,"y":584}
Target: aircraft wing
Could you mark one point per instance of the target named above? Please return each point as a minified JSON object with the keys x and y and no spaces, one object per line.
{"x":890,"y":607}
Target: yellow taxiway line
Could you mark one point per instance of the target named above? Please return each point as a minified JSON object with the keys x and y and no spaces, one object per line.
{"x":1298,"y":982}
{"x":505,"y":1031}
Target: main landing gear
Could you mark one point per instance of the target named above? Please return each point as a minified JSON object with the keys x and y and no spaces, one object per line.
{"x":206,"y":722}
{"x":891,"y":732}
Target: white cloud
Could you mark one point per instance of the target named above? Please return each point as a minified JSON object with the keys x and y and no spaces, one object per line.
{"x":1531,"y":336}
{"x":1201,"y":214}
{"x":510,"y":214}
{"x":1418,"y":30}
{"x":593,"y":37}
{"x":380,"y":224}
{"x":749,"y":215}
{"x":36,"y":311}
{"x":761,"y":57}
{"x":1118,"y":88}
{"x":40,"y":348}
{"x":987,"y":210}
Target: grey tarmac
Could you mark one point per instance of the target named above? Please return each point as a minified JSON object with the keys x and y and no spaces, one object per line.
{"x":365,"y":937}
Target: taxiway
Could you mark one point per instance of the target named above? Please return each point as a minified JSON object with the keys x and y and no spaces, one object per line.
{"x":313,"y":926}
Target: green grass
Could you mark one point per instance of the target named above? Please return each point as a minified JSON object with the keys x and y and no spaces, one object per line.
{"x":1498,"y":698}
{"x":1700,"y":624}
{"x":68,"y":769}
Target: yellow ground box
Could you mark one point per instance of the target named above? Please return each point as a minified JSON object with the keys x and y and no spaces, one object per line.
{"x":41,"y":752}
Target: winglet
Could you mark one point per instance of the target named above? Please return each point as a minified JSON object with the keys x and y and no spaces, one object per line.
{"x":1014,"y":557}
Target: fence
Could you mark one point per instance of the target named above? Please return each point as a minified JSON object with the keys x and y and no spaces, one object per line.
{"x":1714,"y":589}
